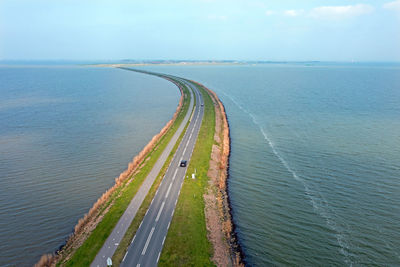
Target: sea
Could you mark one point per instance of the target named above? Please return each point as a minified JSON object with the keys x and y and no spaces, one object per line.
{"x":314,"y":174}
{"x":66,"y":132}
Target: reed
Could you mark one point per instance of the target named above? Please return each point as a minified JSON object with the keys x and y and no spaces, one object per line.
{"x":45,"y":261}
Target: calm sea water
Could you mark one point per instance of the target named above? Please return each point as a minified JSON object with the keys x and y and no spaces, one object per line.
{"x":65,"y":134}
{"x":315,"y":163}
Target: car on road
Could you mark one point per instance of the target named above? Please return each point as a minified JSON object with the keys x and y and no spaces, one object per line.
{"x":183,"y":163}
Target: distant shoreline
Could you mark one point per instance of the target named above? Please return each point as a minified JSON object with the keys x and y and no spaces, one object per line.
{"x":138,"y":63}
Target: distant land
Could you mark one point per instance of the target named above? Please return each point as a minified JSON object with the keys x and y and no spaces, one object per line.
{"x":173,"y":62}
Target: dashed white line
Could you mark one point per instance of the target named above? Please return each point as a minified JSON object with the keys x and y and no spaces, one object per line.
{"x":169,"y":189}
{"x":159,"y":212}
{"x":125,"y":255}
{"x":173,"y":177}
{"x":148,"y":241}
{"x":163,"y":240}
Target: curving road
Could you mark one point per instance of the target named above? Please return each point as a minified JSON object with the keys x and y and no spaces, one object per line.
{"x":109,"y":247}
{"x":146,"y":246}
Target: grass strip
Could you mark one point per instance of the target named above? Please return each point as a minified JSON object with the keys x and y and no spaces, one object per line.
{"x":86,"y":253}
{"x":186,"y":243}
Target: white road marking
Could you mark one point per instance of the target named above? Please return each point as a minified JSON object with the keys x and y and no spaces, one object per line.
{"x":125,"y":255}
{"x":163,"y":240}
{"x":159,"y":212}
{"x":168,"y":224}
{"x":158,"y":256}
{"x":169,"y":189}
{"x":133,"y":239}
{"x":147,"y":241}
{"x":138,"y":265}
{"x":176,"y":171}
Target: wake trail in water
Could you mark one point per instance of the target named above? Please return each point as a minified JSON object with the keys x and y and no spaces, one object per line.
{"x":309,"y":193}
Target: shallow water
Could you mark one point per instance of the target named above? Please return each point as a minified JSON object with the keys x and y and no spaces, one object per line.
{"x":315,"y":163}
{"x":65,"y":134}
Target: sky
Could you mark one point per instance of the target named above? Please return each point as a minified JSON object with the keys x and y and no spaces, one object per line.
{"x":279,"y":30}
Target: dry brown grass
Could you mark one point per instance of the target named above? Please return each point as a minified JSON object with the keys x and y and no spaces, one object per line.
{"x":89,"y":221}
{"x":45,"y":261}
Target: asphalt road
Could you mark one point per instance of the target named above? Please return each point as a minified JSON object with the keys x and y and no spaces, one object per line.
{"x":146,"y":246}
{"x":112,"y":242}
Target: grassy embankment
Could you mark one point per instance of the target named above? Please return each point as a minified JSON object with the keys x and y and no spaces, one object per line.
{"x":186,"y":243}
{"x":121,"y":198}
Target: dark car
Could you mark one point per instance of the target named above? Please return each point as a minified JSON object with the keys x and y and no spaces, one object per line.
{"x":183,"y":163}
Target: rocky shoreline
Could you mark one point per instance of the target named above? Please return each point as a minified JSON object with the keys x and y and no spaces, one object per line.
{"x":220,"y":226}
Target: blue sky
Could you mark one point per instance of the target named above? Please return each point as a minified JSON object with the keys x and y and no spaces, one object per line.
{"x":341,"y":30}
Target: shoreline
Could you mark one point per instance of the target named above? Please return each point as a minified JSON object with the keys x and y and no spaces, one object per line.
{"x":92,"y":218}
{"x":219,"y":190}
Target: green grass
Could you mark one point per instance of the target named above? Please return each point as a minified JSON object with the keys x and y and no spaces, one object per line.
{"x":86,"y":253}
{"x":186,"y":243}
